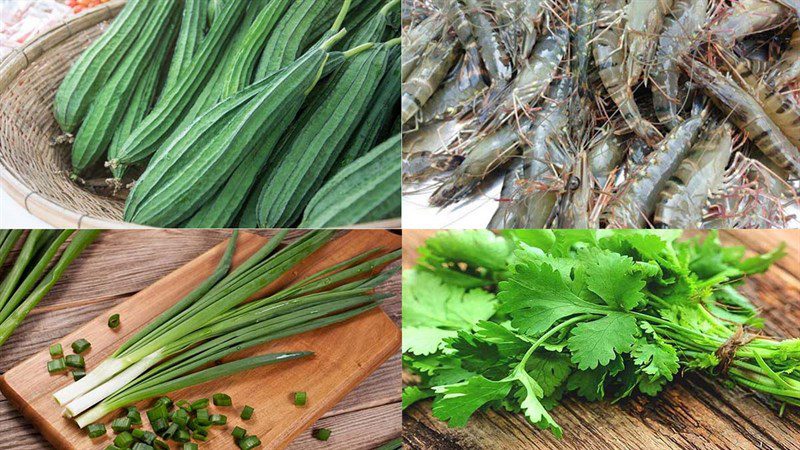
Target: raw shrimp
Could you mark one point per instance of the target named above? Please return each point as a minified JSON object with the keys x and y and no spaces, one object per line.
{"x":680,"y":28}
{"x":637,"y":198}
{"x":746,"y":17}
{"x":686,"y":193}
{"x":416,"y":41}
{"x":470,"y":72}
{"x":532,"y":79}
{"x":609,"y":58}
{"x":575,"y":204}
{"x":746,"y":112}
{"x":425,"y":79}
{"x":644,"y":21}
{"x":448,"y":100}
{"x":495,"y":58}
{"x":605,"y":155}
{"x":419,"y":165}
{"x":584,"y":22}
{"x":788,"y":68}
{"x":506,"y":214}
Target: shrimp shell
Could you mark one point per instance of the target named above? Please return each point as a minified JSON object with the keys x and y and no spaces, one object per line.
{"x":610,"y":60}
{"x":746,"y":113}
{"x":495,"y":58}
{"x":605,"y":155}
{"x":575,"y":205}
{"x":505,"y":214}
{"x":645,"y":20}
{"x":415,"y":42}
{"x":686,"y":193}
{"x":680,"y":29}
{"x":746,"y":17}
{"x":637,"y":198}
{"x":427,"y":77}
{"x":788,"y":69}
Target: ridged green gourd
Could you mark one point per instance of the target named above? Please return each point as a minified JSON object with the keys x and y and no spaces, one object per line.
{"x":193,"y":25}
{"x":365,"y":191}
{"x":221,"y":210}
{"x":151,"y":134}
{"x":194,"y":164}
{"x":96,"y":65}
{"x":320,"y":136}
{"x":144,"y":97}
{"x":107,"y":110}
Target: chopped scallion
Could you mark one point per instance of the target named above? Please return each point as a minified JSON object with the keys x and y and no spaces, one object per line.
{"x":124,"y":440}
{"x":199,"y":404}
{"x":247,"y":412}
{"x":80,"y":346}
{"x":166,"y":401}
{"x":203,"y":417}
{"x":77,"y":374}
{"x":160,"y":445}
{"x":75,"y":361}
{"x":133,"y":414}
{"x":321,"y":434}
{"x":113,"y":321}
{"x":112,"y":447}
{"x":96,"y":430}
{"x":219,"y":419}
{"x":56,"y":365}
{"x":238,"y":433}
{"x":181,"y":436}
{"x":189,"y":446}
{"x":181,"y":417}
{"x":56,"y":351}
{"x":249,"y":442}
{"x":222,"y":400}
{"x":170,"y":432}
{"x":121,"y":424}
{"x":300,"y":398}
{"x":159,"y":425}
{"x":142,"y":446}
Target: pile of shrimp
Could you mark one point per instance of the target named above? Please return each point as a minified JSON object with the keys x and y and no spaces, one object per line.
{"x":606,"y":113}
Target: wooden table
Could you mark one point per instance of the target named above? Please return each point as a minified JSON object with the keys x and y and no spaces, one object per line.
{"x":695,"y":412}
{"x":119,"y":264}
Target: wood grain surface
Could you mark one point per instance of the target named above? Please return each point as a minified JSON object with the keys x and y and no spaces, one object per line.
{"x":695,"y":412}
{"x":121,"y":263}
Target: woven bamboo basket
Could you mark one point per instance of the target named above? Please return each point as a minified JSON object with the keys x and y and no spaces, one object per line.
{"x":32,"y":171}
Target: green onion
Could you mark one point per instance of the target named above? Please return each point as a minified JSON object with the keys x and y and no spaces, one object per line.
{"x":96,"y":430}
{"x":75,"y":361}
{"x":203,"y":417}
{"x":142,"y":446}
{"x":80,"y":346}
{"x":77,"y":374}
{"x":160,"y":445}
{"x":113,"y":321}
{"x":159,"y":425}
{"x":166,"y":401}
{"x":112,"y":447}
{"x":56,"y":351}
{"x":121,"y":424}
{"x":147,"y":437}
{"x":157,"y":412}
{"x":219,"y":419}
{"x":184,"y":404}
{"x":249,"y":442}
{"x":222,"y":400}
{"x":182,"y":436}
{"x":133,"y":414}
{"x":247,"y":412}
{"x":8,"y":242}
{"x":56,"y":365}
{"x":123,"y":440}
{"x":321,"y":434}
{"x":170,"y":432}
{"x":199,"y":404}
{"x":26,"y":296}
{"x":181,"y":417}
{"x":238,"y":433}
{"x":300,"y":398}
{"x":189,"y":446}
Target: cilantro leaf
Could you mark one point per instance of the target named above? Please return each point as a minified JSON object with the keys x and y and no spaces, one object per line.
{"x":530,"y":404}
{"x":537,"y":297}
{"x":613,"y":277}
{"x":460,"y":401}
{"x":413,"y":394}
{"x":466,"y":258}
{"x":425,"y":340}
{"x":599,"y":341}
{"x":656,"y":359}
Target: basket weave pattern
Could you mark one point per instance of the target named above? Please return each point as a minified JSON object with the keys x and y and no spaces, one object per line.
{"x":29,"y":79}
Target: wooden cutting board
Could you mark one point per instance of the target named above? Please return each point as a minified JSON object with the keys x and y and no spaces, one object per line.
{"x":345,"y":354}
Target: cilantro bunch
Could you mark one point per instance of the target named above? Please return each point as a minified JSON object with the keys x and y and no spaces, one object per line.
{"x":517,"y":321}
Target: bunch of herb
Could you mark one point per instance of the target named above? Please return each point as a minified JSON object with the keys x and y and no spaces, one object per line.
{"x":519,"y":321}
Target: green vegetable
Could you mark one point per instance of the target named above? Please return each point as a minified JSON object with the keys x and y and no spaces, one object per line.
{"x":219,"y":419}
{"x":75,"y":361}
{"x":222,"y":400}
{"x":96,"y":64}
{"x":247,"y":412}
{"x":366,"y":190}
{"x":109,"y":107}
{"x":56,"y":351}
{"x":160,"y":445}
{"x":56,"y":365}
{"x":166,"y":401}
{"x":182,"y":436}
{"x":124,"y":440}
{"x":238,"y":433}
{"x":300,"y":398}
{"x":202,"y":417}
{"x":600,"y":315}
{"x":96,"y":430}
{"x":248,"y":442}
{"x":321,"y":434}
{"x":178,"y":180}
{"x":112,"y":447}
{"x":159,"y":411}
{"x":142,"y":446}
{"x":190,"y":36}
{"x":80,"y":346}
{"x":9,"y":240}
{"x":144,"y":436}
{"x":133,"y":414}
{"x":77,"y":374}
{"x":199,"y":404}
{"x":121,"y":424}
{"x":113,"y":321}
{"x":170,"y":431}
{"x":160,"y":123}
{"x":189,"y":446}
{"x":181,"y":417}
{"x":323,"y":130}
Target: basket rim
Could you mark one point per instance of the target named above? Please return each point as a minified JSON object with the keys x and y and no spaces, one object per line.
{"x":10,"y":68}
